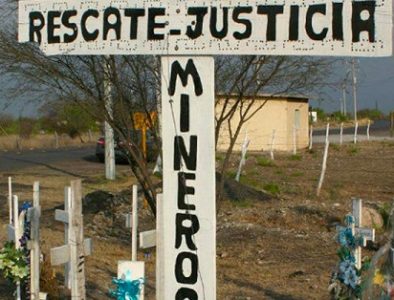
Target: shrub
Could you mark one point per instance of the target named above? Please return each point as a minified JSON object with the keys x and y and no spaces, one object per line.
{"x":272,"y":188}
{"x":265,"y":162}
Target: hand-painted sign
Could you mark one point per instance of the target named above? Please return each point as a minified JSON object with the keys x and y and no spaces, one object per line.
{"x":189,"y":212}
{"x":192,"y":27}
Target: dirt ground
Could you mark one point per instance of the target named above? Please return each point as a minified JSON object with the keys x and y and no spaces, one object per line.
{"x":283,"y":248}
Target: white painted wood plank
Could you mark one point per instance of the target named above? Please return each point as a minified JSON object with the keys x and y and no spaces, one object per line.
{"x":148,"y":239}
{"x":176,"y":16}
{"x":61,"y":216}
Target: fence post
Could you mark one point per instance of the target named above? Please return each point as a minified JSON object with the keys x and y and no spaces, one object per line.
{"x":324,"y":165}
{"x":272,"y":144}
{"x":56,"y":140}
{"x":355,"y":133}
{"x":67,"y":208}
{"x":341,"y":134}
{"x":243,"y":155}
{"x":310,"y":137}
{"x":368,"y":126}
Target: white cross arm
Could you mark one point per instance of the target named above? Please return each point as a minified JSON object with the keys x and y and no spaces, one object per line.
{"x":368,"y":234}
{"x":61,"y":215}
{"x":148,"y":239}
{"x":61,"y":255}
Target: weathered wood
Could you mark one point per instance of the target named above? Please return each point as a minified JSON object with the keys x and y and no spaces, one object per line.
{"x":310,"y":137}
{"x":148,"y":239}
{"x":76,"y":243}
{"x":10,"y":199}
{"x":35,"y":252}
{"x":61,"y":255}
{"x":135,"y":224}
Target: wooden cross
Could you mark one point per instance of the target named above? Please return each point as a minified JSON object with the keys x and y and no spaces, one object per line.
{"x":132,"y":270}
{"x":357,"y":229}
{"x":77,"y":247}
{"x":33,"y":215}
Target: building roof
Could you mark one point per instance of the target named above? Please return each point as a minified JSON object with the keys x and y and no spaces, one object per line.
{"x":292,"y":98}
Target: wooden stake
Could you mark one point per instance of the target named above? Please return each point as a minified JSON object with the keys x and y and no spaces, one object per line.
{"x":272,"y":145}
{"x":10,"y":199}
{"x":327,"y":132}
{"x":35,"y":252}
{"x":310,"y":137}
{"x":67,"y":208}
{"x":368,"y":126}
{"x":341,"y":135}
{"x":134,"y":228}
{"x":355,"y":133}
{"x":56,"y":140}
{"x":324,"y":166}
{"x":16,"y":239}
{"x":243,"y":157}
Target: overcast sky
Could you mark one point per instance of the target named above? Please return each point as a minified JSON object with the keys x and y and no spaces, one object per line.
{"x":375,"y":87}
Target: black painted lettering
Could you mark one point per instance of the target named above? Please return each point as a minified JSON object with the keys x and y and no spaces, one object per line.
{"x":184,"y":190}
{"x":69,"y":38}
{"x":294,"y":22}
{"x":190,"y":158}
{"x":134,"y":14}
{"x":89,"y":36}
{"x":213,"y":24}
{"x":154,"y":12}
{"x":359,"y":24}
{"x":337,"y":21}
{"x":199,"y":12}
{"x":186,"y":294}
{"x":52,"y":26}
{"x":185,"y":113}
{"x":248,"y":25}
{"x":36,"y":24}
{"x":271,"y":11}
{"x":116,"y":26}
{"x":186,"y":231}
{"x":181,"y":277}
{"x":177,"y":70}
{"x":312,"y":10}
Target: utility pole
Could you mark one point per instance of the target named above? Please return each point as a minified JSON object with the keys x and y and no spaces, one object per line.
{"x":354,"y":90}
{"x":109,"y":133}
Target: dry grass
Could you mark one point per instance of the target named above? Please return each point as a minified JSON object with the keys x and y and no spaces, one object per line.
{"x":279,"y":249}
{"x":43,"y":141}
